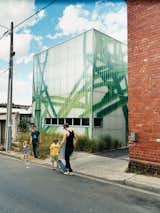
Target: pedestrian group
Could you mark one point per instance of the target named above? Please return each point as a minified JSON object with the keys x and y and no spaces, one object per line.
{"x":69,"y":142}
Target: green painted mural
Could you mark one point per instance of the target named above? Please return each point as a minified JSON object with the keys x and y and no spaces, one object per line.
{"x":85,"y":77}
{"x":110,"y":86}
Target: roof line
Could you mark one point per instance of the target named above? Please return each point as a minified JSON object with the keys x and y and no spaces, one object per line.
{"x":91,"y":29}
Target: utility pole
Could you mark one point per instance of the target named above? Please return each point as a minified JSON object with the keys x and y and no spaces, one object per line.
{"x":9,"y":98}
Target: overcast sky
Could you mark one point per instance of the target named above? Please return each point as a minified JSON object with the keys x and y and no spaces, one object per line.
{"x":57,"y":23}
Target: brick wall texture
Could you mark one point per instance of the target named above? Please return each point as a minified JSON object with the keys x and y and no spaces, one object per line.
{"x":144,"y":80}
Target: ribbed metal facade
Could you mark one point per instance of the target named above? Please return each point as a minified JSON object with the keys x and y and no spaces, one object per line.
{"x":86,"y":78}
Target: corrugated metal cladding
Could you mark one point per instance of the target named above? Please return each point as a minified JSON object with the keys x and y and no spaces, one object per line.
{"x":82,"y":81}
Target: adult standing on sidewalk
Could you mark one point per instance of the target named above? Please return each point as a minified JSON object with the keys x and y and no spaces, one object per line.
{"x":70,"y":139}
{"x":35,"y":140}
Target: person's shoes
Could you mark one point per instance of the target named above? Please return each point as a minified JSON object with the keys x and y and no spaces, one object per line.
{"x":71,"y":173}
{"x":66,"y":173}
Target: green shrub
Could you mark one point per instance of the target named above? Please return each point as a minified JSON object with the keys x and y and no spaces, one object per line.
{"x":116,"y":144}
{"x":23,"y":136}
{"x":93,"y":145}
{"x":84,"y":143}
{"x":105,"y":143}
{"x":44,"y":149}
{"x":45,"y":142}
{"x":23,"y":125}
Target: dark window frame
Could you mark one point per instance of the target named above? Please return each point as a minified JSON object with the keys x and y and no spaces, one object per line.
{"x":99,"y":122}
{"x":85,"y":122}
{"x":67,"y":120}
{"x":61,"y":119}
{"x":79,"y":123}
{"x":54,"y":119}
{"x":47,"y":123}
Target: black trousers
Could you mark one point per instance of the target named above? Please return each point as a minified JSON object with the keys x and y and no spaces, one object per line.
{"x":68,"y":153}
{"x":35,"y":149}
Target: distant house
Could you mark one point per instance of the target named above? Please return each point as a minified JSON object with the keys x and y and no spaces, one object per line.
{"x":20,"y":113}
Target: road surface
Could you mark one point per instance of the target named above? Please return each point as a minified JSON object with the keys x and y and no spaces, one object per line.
{"x":40,"y":190}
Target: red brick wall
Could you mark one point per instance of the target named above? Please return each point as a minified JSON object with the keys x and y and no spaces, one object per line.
{"x":144,"y":79}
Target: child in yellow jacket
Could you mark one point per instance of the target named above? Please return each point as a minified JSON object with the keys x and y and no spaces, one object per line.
{"x":54,"y":151}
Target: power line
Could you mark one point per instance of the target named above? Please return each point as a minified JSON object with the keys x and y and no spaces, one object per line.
{"x":22,"y":22}
{"x":5,"y":31}
{"x":47,"y":5}
{"x":4,"y":34}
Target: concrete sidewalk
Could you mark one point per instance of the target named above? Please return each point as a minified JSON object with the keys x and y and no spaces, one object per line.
{"x":110,"y":166}
{"x":113,"y":168}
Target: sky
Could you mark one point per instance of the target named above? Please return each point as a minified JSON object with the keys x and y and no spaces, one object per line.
{"x":59,"y":22}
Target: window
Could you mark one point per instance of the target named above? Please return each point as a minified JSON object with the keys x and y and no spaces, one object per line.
{"x":61,"y":121}
{"x":47,"y":121}
{"x":72,"y":121}
{"x":98,"y":122}
{"x":85,"y":121}
{"x":25,"y":117}
{"x":54,"y":120}
{"x":76,"y":121}
{"x":69,"y":121}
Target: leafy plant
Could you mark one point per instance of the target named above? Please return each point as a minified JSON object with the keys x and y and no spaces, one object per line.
{"x":23,"y":125}
{"x":94,"y":145}
{"x":84,"y":143}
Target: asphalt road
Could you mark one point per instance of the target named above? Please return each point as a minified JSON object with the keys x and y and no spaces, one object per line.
{"x":40,"y":190}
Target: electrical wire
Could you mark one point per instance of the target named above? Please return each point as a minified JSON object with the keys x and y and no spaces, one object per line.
{"x":4,"y":34}
{"x":47,"y":5}
{"x":5,"y":31}
{"x":22,"y":22}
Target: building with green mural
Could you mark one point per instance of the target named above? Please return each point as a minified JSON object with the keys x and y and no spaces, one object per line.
{"x":82,"y":81}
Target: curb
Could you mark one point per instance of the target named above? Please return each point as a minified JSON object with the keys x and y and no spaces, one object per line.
{"x":101,"y":179}
{"x":19,"y":158}
{"x":142,"y":186}
{"x":125,"y":182}
{"x":9,"y":155}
